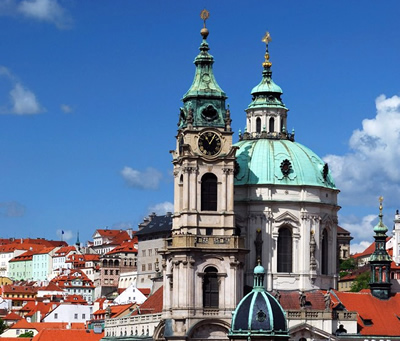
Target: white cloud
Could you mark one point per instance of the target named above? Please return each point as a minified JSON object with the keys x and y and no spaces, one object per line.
{"x":148,"y":179}
{"x":66,"y":108}
{"x":22,"y":100}
{"x":370,"y":169}
{"x":42,"y":10}
{"x":162,"y":208}
{"x":12,"y":209}
{"x":360,"y":228}
{"x":359,"y":247}
{"x":67,"y":235}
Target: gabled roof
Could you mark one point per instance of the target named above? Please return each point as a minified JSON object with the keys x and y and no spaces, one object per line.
{"x":153,"y":304}
{"x":63,"y":251}
{"x":31,"y":308}
{"x":116,"y":310}
{"x":26,"y":256}
{"x":51,"y":287}
{"x":127,"y":246}
{"x":375,"y":317}
{"x":75,"y":299}
{"x":23,"y":324}
{"x":12,"y":317}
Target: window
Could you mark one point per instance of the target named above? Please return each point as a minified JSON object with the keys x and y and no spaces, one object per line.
{"x":143,"y":267}
{"x":209,"y":192}
{"x":83,"y":316}
{"x":55,"y":316}
{"x":111,"y":272}
{"x":149,"y":266}
{"x":324,"y":253}
{"x":210,"y":288}
{"x":285,"y":250}
{"x":144,"y":253}
{"x":75,"y":316}
{"x":150,"y":252}
{"x":258,"y":125}
{"x":271,"y":125}
{"x":106,"y":272}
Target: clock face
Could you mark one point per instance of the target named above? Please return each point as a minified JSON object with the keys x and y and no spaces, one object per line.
{"x":209,"y":143}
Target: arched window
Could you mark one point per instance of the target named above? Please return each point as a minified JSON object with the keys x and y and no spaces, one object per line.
{"x":285,"y":250}
{"x":209,"y":192}
{"x":324,"y":253}
{"x":271,"y":127}
{"x":210,"y":288}
{"x":258,"y":125}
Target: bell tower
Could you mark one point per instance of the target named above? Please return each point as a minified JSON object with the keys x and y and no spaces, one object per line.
{"x":203,"y":263}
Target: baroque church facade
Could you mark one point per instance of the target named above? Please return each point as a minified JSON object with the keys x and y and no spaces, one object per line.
{"x":263,"y":200}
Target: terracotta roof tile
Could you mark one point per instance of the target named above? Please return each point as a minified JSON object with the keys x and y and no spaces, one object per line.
{"x":314,"y":299}
{"x":67,"y":335}
{"x":375,"y":316}
{"x":153,"y":304}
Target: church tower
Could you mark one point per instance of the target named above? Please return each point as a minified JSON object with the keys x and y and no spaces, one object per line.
{"x":380,"y":261}
{"x":203,"y":263}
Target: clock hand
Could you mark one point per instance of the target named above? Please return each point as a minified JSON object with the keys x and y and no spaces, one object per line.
{"x":211,"y":139}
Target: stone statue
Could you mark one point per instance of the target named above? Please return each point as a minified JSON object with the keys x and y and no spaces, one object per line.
{"x":327,"y":299}
{"x":302,"y":299}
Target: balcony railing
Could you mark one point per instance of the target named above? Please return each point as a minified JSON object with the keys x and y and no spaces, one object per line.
{"x":201,"y":241}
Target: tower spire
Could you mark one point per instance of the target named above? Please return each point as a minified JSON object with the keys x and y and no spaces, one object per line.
{"x":380,"y":260}
{"x":204,"y":102}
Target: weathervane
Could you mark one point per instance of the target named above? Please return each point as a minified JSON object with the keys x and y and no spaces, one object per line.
{"x":204,"y":15}
{"x":266,"y":39}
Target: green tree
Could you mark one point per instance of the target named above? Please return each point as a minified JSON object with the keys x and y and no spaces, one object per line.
{"x":29,"y":333}
{"x":3,"y":326}
{"x":361,"y":282}
{"x":348,"y":264}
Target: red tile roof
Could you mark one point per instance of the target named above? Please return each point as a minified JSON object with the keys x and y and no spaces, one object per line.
{"x":12,"y":317}
{"x":127,"y":246}
{"x":153,"y":304}
{"x":314,"y":299}
{"x":67,"y":335}
{"x":384,"y":315}
{"x":19,"y":289}
{"x":75,"y":299}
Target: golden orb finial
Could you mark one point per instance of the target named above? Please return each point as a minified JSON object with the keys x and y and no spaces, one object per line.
{"x":380,"y":204}
{"x":266,"y":39}
{"x":204,"y":15}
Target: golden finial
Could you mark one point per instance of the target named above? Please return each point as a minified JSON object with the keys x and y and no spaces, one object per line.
{"x":266,"y":39}
{"x":380,"y":205}
{"x":204,"y":15}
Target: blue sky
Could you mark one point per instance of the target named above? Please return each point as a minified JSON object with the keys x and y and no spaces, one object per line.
{"x":90,"y":93}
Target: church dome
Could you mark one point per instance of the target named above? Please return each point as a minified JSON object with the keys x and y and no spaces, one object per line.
{"x":258,"y":313}
{"x":279,"y":162}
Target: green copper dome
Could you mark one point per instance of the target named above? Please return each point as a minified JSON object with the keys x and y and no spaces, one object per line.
{"x":280,"y":162}
{"x":258,"y":314}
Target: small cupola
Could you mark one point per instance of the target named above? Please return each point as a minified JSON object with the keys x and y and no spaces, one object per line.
{"x":259,"y":315}
{"x":267,"y":114}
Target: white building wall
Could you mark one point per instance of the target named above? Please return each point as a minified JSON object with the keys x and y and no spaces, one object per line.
{"x":70,"y":313}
